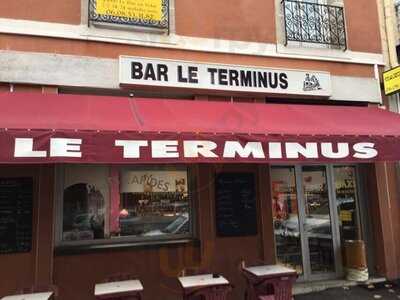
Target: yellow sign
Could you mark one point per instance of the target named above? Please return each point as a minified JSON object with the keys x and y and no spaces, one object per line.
{"x":346,"y":216}
{"x":150,"y":10}
{"x":391,"y":80}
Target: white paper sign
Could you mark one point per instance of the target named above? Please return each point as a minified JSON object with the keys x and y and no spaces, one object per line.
{"x":154,"y":181}
{"x":170,"y":73}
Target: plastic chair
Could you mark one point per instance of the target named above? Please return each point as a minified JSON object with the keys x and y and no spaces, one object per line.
{"x":210,"y":293}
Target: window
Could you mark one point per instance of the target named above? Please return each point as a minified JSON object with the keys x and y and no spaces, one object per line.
{"x":286,"y":217}
{"x":102,"y":204}
{"x":347,"y":200}
{"x":317,"y":23}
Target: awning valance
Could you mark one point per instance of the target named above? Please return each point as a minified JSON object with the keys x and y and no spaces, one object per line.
{"x":36,"y":128}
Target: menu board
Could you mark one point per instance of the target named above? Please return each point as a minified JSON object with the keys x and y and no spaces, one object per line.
{"x":235,"y":204}
{"x":16,"y":195}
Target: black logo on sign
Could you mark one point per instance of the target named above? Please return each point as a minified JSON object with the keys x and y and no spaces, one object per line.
{"x":311,"y":83}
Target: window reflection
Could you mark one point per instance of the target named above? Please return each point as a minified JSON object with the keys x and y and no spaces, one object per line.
{"x":346,"y":199}
{"x":286,"y":218}
{"x":154,"y":203}
{"x":107,"y":202}
{"x":317,"y":224}
{"x":85,"y":199}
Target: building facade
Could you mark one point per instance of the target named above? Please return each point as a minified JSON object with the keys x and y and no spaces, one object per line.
{"x":208,"y":77}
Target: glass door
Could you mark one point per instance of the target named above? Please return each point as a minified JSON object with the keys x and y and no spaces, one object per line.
{"x":286,"y":218}
{"x":316,"y":215}
{"x":305,"y":220}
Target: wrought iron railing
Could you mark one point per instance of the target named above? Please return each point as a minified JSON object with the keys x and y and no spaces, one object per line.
{"x":314,"y":23}
{"x":140,"y":20}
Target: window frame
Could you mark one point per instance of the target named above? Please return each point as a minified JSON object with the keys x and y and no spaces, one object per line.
{"x":297,"y":47}
{"x":116,"y":241}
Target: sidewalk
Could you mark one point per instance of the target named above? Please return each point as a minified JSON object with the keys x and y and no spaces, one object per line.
{"x":384,"y":290}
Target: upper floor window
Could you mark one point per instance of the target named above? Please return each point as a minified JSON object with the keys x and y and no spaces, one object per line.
{"x":152,"y":14}
{"x":314,"y":22}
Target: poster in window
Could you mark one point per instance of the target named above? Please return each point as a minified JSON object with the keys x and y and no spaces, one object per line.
{"x":154,"y":181}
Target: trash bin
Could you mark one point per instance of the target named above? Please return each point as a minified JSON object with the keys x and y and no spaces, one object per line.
{"x":356,"y":260}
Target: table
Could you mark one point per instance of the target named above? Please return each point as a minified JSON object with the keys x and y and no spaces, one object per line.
{"x":33,"y":296}
{"x":269,"y":270}
{"x":267,"y":280}
{"x":127,"y":289}
{"x":206,"y":285}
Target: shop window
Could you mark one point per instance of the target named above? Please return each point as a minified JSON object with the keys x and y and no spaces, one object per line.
{"x":110,"y":204}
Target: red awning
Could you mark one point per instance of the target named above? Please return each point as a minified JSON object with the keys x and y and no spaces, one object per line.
{"x":254,"y":132}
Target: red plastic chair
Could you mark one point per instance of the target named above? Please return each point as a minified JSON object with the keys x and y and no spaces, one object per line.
{"x":210,"y":293}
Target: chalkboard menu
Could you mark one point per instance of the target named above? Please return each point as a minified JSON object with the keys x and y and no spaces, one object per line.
{"x":235,"y":204}
{"x":16,"y":214}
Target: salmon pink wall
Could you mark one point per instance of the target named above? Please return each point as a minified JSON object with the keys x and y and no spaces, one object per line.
{"x":243,"y":20}
{"x":363,"y":26}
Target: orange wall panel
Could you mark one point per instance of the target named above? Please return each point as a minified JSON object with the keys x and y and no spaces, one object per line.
{"x":16,"y":272}
{"x":57,"y":11}
{"x":363,"y":26}
{"x":244,"y":20}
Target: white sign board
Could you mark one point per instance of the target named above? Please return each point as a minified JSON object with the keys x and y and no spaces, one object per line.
{"x":180,"y":74}
{"x":154,"y":181}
